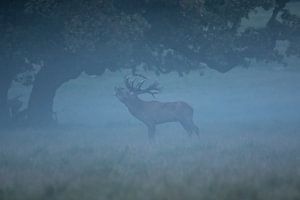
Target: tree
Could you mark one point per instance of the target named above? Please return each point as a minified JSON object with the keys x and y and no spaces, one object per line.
{"x":12,"y":51}
{"x":83,"y":39}
{"x":72,"y":37}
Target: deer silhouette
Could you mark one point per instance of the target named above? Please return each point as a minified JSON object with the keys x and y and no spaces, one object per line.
{"x":152,"y":113}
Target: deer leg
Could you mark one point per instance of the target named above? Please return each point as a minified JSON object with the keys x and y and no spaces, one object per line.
{"x":186,"y":127}
{"x":151,"y":131}
{"x":196,"y":129}
{"x":190,"y":127}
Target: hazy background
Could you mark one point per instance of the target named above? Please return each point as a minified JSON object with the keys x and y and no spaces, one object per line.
{"x":248,"y":146}
{"x":257,"y":95}
{"x":248,"y":116}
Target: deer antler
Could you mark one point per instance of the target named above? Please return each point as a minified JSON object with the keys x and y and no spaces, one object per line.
{"x":152,"y":89}
{"x":136,"y":87}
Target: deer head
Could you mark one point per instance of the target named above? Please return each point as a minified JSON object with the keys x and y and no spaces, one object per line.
{"x":134,"y":87}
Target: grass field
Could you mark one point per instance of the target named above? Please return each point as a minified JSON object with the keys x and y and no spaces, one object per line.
{"x":78,"y":164}
{"x":248,"y":149}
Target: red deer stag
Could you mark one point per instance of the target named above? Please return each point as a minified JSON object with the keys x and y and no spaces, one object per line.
{"x":152,"y":113}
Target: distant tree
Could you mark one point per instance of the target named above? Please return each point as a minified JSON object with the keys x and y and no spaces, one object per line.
{"x":12,"y":51}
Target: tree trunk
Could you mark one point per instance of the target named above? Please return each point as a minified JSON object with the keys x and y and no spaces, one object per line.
{"x":47,"y":81}
{"x":41,"y":100}
{"x":4,"y":111}
{"x":5,"y":82}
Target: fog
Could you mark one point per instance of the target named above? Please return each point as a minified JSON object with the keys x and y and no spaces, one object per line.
{"x":253,"y":96}
{"x":248,"y":147}
{"x":69,"y":126}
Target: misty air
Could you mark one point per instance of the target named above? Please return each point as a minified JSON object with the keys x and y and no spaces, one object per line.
{"x":149,"y":100}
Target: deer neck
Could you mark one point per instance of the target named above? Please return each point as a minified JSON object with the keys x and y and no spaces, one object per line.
{"x":134,"y":105}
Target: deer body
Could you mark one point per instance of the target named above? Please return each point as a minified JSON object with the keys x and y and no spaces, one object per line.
{"x":152,"y":113}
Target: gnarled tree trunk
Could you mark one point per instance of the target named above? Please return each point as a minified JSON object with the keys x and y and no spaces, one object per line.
{"x":7,"y":73}
{"x":41,"y":99}
{"x":4,"y":110}
{"x":48,"y":80}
